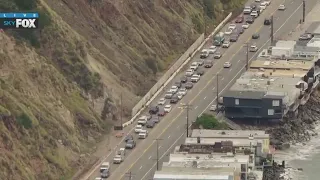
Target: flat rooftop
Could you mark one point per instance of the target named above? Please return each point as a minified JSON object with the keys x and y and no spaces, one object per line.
{"x":206,"y":133}
{"x":221,"y":158}
{"x":199,"y":170}
{"x":283,"y":73}
{"x":270,"y":87}
{"x":236,"y":141}
{"x":282,"y":64}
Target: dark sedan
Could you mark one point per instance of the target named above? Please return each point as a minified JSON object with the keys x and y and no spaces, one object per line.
{"x":200,"y":72}
{"x":255,"y":36}
{"x":189,"y":85}
{"x":250,"y":19}
{"x":154,"y":110}
{"x":174,"y":100}
{"x":184,"y":79}
{"x":234,"y":38}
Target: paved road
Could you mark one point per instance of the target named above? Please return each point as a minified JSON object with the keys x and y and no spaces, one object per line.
{"x":141,"y":161}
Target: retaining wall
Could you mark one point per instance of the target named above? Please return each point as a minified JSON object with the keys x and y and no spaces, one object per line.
{"x":173,"y":71}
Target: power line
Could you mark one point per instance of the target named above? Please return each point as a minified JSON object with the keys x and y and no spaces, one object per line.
{"x":187,"y":107}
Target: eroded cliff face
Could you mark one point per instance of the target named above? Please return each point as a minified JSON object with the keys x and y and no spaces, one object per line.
{"x":60,"y":84}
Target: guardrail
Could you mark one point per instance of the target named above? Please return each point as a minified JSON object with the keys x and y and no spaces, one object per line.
{"x":172,"y":72}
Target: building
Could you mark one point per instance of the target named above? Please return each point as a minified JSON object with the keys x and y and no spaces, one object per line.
{"x":191,"y":173}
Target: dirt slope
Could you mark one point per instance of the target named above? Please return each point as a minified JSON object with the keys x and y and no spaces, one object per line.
{"x":60,"y":84}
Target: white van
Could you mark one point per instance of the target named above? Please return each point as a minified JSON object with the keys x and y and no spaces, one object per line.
{"x":138,"y":128}
{"x":143,"y":134}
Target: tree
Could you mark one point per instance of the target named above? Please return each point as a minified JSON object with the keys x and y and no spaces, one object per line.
{"x":208,"y":121}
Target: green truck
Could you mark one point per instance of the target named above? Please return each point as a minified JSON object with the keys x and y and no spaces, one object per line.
{"x":218,"y":39}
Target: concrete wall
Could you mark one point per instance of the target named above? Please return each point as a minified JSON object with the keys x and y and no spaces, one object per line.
{"x":173,"y":71}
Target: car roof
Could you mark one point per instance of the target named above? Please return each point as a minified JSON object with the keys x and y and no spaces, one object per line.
{"x":168,"y":105}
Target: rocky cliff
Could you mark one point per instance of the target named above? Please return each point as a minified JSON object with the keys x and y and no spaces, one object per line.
{"x":60,"y":84}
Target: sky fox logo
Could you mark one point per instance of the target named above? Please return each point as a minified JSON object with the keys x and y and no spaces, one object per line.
{"x":26,"y":23}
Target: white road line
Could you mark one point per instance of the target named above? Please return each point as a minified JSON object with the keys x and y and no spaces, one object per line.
{"x":251,"y":59}
{"x":238,"y":61}
{"x":150,"y":157}
{"x":222,"y":79}
{"x":196,"y":107}
{"x":213,"y":88}
{"x":140,"y":167}
{"x":168,"y":137}
{"x":178,"y":126}
{"x":205,"y":97}
{"x":230,"y":69}
{"x":159,"y":147}
{"x":173,"y":144}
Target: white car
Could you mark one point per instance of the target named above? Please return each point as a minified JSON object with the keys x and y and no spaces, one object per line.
{"x":143,"y":134}
{"x":167,"y":108}
{"x":228,"y":31}
{"x":232,"y":26}
{"x":267,"y":2}
{"x":226,"y":44}
{"x":194,"y":66}
{"x":213,"y":107}
{"x":227,"y":65}
{"x":189,"y":72}
{"x":162,"y":101}
{"x":174,"y":89}
{"x":263,"y":6}
{"x":212,"y":49}
{"x":245,"y":26}
{"x":182,"y":91}
{"x":253,"y":48}
{"x":195,"y":78}
{"x":138,"y":128}
{"x":282,"y":7}
{"x":254,"y":14}
{"x":142,"y":120}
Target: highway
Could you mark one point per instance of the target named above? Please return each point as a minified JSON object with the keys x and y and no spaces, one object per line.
{"x":141,"y":161}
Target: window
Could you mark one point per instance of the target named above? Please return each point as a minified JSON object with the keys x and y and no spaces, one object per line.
{"x":277,"y":111}
{"x":275,"y":103}
{"x":236,"y":101}
{"x":270,"y":112}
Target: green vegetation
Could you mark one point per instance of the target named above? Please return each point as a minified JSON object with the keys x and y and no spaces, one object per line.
{"x":208,"y":121}
{"x":197,"y":22}
{"x":25,"y":121}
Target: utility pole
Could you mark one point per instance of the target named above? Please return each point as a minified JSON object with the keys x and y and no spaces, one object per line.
{"x":271,"y":34}
{"x":247,"y":57}
{"x":303,"y":10}
{"x":187,"y":107}
{"x":158,"y":153}
{"x":217,"y":100}
{"x":129,"y":175}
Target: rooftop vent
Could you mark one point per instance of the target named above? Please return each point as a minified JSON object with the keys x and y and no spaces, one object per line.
{"x":194,"y":164}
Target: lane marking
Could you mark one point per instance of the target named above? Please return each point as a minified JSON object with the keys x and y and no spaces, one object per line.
{"x":168,"y":136}
{"x":173,"y":144}
{"x":140,"y":167}
{"x":150,"y":157}
{"x":196,"y":107}
{"x":213,"y":88}
{"x":222,"y":78}
{"x":178,"y":126}
{"x":181,"y":111}
{"x":205,"y":97}
{"x":252,"y":58}
{"x":159,"y":147}
{"x":230,"y":69}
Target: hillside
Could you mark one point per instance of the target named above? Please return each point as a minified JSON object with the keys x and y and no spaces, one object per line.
{"x":60,"y":84}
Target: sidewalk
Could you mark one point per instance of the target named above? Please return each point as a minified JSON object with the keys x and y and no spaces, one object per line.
{"x":312,"y":16}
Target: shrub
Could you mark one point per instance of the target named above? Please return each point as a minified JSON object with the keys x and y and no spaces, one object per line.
{"x":26,"y":5}
{"x":25,"y":121}
{"x":208,"y":121}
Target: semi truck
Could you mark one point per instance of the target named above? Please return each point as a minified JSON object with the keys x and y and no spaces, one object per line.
{"x":218,"y":39}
